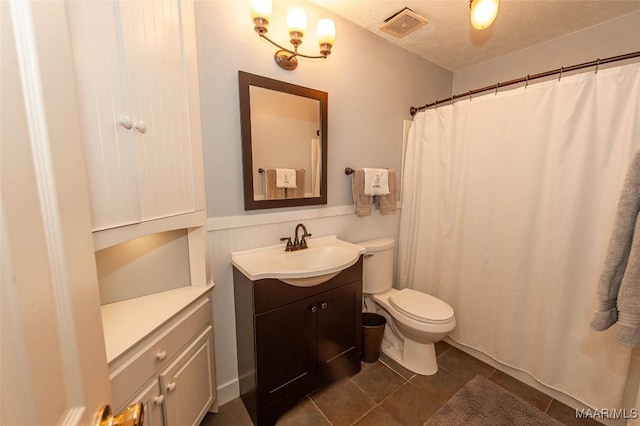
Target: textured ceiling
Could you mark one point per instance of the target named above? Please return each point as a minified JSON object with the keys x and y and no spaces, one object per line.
{"x":450,"y":41}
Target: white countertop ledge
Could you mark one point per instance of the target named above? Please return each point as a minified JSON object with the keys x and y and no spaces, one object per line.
{"x":128,"y":322}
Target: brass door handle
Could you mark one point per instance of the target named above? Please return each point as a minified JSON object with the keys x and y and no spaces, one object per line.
{"x":133,"y":415}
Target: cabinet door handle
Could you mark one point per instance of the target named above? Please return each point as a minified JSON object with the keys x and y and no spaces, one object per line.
{"x":126,"y":123}
{"x":171,"y":386}
{"x":141,"y":127}
{"x":313,"y":309}
{"x":158,"y":399}
{"x":161,"y":356}
{"x":323,"y":305}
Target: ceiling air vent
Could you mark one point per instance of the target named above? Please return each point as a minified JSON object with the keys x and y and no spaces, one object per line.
{"x":402,"y":23}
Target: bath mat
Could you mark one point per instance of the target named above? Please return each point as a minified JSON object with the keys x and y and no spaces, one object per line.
{"x":481,"y":402}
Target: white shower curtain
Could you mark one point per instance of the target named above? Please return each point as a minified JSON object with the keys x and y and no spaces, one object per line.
{"x":507,"y":204}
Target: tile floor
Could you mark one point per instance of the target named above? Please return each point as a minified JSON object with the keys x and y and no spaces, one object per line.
{"x":386,"y":394}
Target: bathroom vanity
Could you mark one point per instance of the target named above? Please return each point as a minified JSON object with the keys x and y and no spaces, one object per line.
{"x":293,"y":340}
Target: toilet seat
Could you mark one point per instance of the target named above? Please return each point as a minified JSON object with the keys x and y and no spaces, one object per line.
{"x":421,"y":306}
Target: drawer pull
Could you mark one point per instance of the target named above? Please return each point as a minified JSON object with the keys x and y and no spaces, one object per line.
{"x":323,"y":305}
{"x":171,"y":386}
{"x":313,"y":309}
{"x":161,"y":356}
{"x":158,"y":400}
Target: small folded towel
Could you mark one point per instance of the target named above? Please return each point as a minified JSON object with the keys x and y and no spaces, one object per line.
{"x":297,"y":192}
{"x":285,"y":178}
{"x":619,"y":286}
{"x":271,"y":192}
{"x":376,"y":181}
{"x":388,"y":202}
{"x":362,"y":202}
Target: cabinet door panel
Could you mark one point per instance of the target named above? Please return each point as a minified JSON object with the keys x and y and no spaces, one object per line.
{"x":153,"y":45}
{"x":187,"y":383}
{"x":286,"y":349}
{"x":101,"y":94}
{"x":152,"y":399}
{"x":339,"y":328}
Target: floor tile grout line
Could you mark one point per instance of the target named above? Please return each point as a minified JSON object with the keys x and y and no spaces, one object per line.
{"x":320,"y":410}
{"x":548,"y":405}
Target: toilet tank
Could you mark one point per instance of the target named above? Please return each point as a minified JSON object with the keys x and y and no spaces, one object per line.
{"x":378,"y":265}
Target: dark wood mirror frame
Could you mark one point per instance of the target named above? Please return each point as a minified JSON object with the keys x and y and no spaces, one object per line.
{"x":246,"y":80}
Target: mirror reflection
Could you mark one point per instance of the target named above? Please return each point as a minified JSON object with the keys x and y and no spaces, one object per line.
{"x":284,"y":136}
{"x":284,"y":143}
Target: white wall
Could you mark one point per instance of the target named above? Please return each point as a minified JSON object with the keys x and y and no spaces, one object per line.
{"x":371,"y":86}
{"x":611,"y":38}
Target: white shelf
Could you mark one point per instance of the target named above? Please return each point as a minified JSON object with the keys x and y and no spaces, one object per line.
{"x":128,"y":322}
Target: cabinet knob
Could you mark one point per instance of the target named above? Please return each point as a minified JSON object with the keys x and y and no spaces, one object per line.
{"x":313,"y":309}
{"x":161,"y":356}
{"x":141,"y":127}
{"x":171,"y":386}
{"x":323,"y":305}
{"x":126,"y":123}
{"x":158,"y":399}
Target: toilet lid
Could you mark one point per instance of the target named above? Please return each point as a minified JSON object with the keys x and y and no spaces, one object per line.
{"x":421,"y":307}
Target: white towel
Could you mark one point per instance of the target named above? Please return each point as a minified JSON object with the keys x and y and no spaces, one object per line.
{"x":286,"y":178}
{"x":376,"y":181}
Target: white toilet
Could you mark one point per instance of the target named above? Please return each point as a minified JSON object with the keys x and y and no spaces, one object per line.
{"x":415,"y":320}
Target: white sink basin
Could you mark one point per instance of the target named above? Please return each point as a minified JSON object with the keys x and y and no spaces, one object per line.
{"x":324,"y":258}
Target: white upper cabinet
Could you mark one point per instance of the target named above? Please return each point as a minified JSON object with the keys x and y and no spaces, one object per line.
{"x":137,"y":88}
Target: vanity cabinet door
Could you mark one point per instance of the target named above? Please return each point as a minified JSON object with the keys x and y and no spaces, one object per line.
{"x":152,"y":399}
{"x":340,"y":330}
{"x":285,"y":349}
{"x":135,"y":71}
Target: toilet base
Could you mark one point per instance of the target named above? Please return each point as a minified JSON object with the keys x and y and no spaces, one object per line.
{"x":417,"y":357}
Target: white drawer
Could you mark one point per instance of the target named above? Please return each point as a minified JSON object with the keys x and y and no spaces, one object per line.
{"x":144,"y":361}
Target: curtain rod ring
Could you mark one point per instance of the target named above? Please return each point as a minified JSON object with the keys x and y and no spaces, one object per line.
{"x":497,"y":85}
{"x":526,"y":83}
{"x":597,"y":65}
{"x":469,"y":95}
{"x":561,"y":69}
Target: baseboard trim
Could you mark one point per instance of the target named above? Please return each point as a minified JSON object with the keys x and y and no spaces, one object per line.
{"x":228,"y":391}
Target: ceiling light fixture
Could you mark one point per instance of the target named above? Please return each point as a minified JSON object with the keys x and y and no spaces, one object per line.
{"x":483,"y":12}
{"x":297,"y":25}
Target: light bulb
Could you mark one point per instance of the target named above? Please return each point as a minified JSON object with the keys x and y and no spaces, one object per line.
{"x":296,"y":20}
{"x":260,"y":9}
{"x":483,"y":13}
{"x":326,"y":31}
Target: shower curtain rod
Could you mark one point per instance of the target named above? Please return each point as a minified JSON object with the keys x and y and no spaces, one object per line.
{"x":528,"y":78}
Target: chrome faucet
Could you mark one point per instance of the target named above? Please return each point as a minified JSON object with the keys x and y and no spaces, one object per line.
{"x":298,"y":243}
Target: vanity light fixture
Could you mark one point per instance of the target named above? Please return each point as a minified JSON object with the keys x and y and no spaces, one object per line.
{"x":297,"y":25}
{"x":483,"y":13}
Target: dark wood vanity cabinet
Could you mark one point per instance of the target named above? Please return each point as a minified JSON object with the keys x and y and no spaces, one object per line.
{"x":293,"y":340}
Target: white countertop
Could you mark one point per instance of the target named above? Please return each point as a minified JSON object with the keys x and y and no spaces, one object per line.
{"x":127,"y":322}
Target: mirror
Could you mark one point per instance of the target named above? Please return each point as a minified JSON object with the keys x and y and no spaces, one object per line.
{"x":284,"y":143}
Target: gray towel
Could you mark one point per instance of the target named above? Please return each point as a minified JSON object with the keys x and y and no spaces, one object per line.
{"x":388,"y":202}
{"x":271,"y":192}
{"x":298,"y":191}
{"x":619,"y":286}
{"x":363,"y":202}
